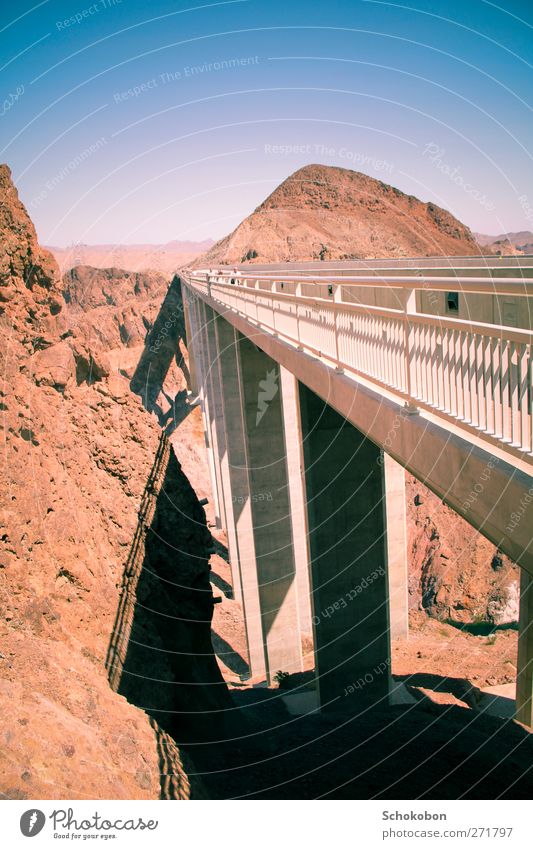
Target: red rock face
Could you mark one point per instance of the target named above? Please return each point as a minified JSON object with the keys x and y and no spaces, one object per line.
{"x":454,"y":572}
{"x":325,"y":213}
{"x":29,"y":277}
{"x":86,"y":527}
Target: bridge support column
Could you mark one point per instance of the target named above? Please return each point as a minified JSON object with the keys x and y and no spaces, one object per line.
{"x":346,"y":518}
{"x":221,"y":459}
{"x":524,"y":682}
{"x":205,"y":369}
{"x":190,"y":344}
{"x":243,"y":553}
{"x":295,"y":470}
{"x":396,"y":548}
{"x":251,"y":393}
{"x":271,"y":508}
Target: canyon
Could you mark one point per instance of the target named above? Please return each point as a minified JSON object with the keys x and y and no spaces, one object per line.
{"x":112,"y":569}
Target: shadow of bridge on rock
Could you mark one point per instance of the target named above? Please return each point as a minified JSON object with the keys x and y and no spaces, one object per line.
{"x":164,"y":345}
{"x":160,"y":654}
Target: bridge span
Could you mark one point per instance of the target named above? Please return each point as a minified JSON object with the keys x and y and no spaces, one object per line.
{"x":320,"y":383}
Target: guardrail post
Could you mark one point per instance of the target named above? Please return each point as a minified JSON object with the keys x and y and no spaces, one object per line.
{"x":273,"y":290}
{"x":409,"y":308}
{"x":337,"y":299}
{"x":298,"y":294}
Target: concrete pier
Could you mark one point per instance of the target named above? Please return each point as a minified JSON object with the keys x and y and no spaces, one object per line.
{"x":257,"y":472}
{"x":212,"y":407}
{"x":346,"y":514}
{"x":193,"y":387}
{"x":297,"y":496}
{"x":396,"y":525}
{"x":524,"y":681}
{"x":243,"y":561}
{"x":199,"y":349}
{"x":220,"y":450}
{"x":271,"y":510}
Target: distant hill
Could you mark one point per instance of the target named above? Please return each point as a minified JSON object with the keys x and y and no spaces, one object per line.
{"x":321,"y":212}
{"x":165,"y":258}
{"x":519,"y":243}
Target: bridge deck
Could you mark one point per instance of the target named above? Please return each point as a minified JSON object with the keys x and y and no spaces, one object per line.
{"x":449,"y":398}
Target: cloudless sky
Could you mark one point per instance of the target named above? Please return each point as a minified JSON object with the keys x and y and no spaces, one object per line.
{"x":432,"y":97}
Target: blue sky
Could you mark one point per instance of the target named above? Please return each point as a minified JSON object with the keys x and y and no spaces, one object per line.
{"x":134,"y":122}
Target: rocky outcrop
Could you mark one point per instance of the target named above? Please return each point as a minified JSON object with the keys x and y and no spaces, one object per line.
{"x":455,"y":573}
{"x":29,"y":277}
{"x":325,"y":213}
{"x":107,"y":317}
{"x":103,"y":543}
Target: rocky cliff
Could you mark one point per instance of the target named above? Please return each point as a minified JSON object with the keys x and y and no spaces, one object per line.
{"x":104,"y":545}
{"x":325,"y":213}
{"x":455,"y":574}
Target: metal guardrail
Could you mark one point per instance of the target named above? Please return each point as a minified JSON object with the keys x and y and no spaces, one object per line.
{"x":477,"y":375}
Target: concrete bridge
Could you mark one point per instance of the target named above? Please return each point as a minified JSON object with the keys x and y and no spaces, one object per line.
{"x":320,"y":383}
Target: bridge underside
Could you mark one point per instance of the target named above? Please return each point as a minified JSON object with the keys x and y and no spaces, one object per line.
{"x":307,"y":469}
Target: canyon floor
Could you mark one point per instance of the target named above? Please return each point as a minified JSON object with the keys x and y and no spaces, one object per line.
{"x":449,"y":735}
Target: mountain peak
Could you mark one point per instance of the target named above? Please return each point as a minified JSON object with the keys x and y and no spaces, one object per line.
{"x":326,"y":212}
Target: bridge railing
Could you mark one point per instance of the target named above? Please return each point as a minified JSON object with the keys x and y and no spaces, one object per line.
{"x":476,"y":374}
